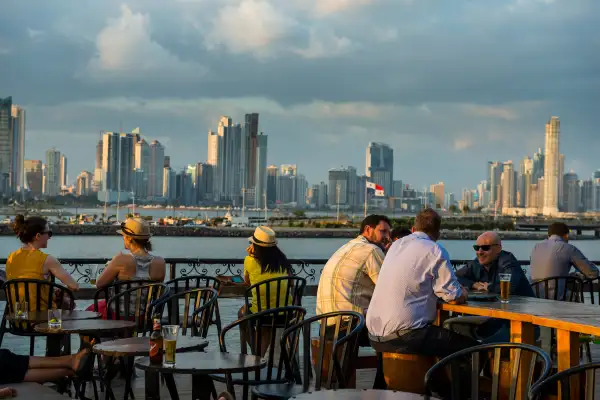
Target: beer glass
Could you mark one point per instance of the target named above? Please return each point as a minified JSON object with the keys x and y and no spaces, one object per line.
{"x":504,"y":287}
{"x":170,"y":343}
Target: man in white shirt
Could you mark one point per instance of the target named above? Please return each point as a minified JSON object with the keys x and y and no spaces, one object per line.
{"x":415,"y":274}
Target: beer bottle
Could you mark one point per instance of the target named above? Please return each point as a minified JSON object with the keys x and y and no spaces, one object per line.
{"x":156,"y":342}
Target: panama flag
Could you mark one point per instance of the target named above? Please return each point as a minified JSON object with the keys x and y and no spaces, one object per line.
{"x":374,"y":188}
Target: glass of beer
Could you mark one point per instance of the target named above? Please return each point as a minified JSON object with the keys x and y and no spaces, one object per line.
{"x":22,"y":310}
{"x":55,"y":318}
{"x":93,"y":273}
{"x":504,"y":287}
{"x":170,"y":343}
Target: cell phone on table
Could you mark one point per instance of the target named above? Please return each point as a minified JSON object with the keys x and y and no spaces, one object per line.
{"x":237,"y":279}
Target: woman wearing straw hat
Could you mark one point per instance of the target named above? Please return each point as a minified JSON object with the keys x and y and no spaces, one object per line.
{"x":264,"y":261}
{"x":137,"y":263}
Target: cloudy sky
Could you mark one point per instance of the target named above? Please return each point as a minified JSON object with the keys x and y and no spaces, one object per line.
{"x":449,"y":84}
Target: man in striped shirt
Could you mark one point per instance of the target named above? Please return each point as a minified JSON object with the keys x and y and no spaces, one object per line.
{"x":349,"y":277}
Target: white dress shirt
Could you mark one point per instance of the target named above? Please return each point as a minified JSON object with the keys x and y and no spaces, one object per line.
{"x":415,"y":273}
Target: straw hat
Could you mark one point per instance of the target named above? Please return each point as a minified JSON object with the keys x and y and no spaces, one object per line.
{"x":263,"y":236}
{"x":136,"y":228}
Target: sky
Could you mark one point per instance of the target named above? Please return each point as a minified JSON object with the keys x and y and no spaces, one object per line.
{"x":448,"y":84}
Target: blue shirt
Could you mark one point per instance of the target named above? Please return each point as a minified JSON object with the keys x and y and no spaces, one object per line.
{"x":555,"y":257}
{"x":415,"y":273}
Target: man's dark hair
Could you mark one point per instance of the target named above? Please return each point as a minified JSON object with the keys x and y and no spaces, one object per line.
{"x":558,"y":228}
{"x":373,"y":220}
{"x":429,"y":222}
{"x":399,"y":232}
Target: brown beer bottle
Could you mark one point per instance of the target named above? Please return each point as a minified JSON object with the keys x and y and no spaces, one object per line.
{"x":156,"y":342}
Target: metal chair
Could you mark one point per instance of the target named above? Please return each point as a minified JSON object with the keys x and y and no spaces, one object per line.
{"x":261,"y":341}
{"x":193,"y":282}
{"x":289,"y":290}
{"x":333,"y":365}
{"x":40,"y":296}
{"x":559,"y":288}
{"x":197,"y":309}
{"x":545,"y":388}
{"x":524,"y":356}
{"x":117,"y":287}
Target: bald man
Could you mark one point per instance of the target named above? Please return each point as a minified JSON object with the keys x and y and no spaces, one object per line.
{"x":482,"y":274}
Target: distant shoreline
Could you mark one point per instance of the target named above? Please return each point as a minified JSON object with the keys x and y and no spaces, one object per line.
{"x":308,"y":233}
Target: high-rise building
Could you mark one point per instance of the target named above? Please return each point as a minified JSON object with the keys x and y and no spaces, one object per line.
{"x":398,"y":189}
{"x":572,"y":195}
{"x":34,"y":177}
{"x":561,"y":173}
{"x":98,"y":168}
{"x":155,"y":171}
{"x":63,"y":171}
{"x":380,"y":166}
{"x":167,"y":161}
{"x":52,"y":186}
{"x":272,"y":178}
{"x":142,"y":163}
{"x":204,"y":182}
{"x":12,"y":147}
{"x":538,"y":166}
{"x":509,"y":185}
{"x":83,"y":185}
{"x":301,"y":189}
{"x":118,"y":156}
{"x":169,"y":185}
{"x":139,"y":184}
{"x":261,"y":172}
{"x":249,"y":150}
{"x":438,"y":193}
{"x":551,"y":167}
{"x":495,"y":169}
{"x":342,"y":187}
{"x":525,"y":180}
{"x":587,"y":188}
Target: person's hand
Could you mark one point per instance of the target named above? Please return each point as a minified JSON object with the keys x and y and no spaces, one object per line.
{"x":7,"y":393}
{"x":483,"y":286}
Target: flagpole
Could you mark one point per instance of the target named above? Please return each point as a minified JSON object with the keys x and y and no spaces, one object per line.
{"x":366,"y":198}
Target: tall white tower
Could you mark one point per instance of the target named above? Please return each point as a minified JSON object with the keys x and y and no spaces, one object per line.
{"x":551,"y":167}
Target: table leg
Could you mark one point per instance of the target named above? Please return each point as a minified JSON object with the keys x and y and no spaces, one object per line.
{"x":171,"y":386}
{"x":201,"y":387}
{"x":129,"y":368}
{"x":53,"y":345}
{"x":441,"y":317}
{"x":567,"y":350}
{"x":110,"y":371}
{"x":152,"y":383}
{"x":522,"y":332}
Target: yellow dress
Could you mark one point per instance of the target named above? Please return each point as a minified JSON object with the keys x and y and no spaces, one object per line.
{"x":28,"y":264}
{"x":252,"y":267}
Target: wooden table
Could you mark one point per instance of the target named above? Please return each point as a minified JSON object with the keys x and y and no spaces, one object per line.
{"x":138,"y":346}
{"x":569,"y":320}
{"x":199,"y":365}
{"x":357,"y":394}
{"x":42,"y":316}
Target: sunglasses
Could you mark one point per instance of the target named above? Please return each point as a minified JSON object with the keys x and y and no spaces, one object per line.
{"x":484,"y":247}
{"x":49,"y":233}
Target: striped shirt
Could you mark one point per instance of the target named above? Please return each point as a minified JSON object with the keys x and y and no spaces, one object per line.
{"x":349,"y":277}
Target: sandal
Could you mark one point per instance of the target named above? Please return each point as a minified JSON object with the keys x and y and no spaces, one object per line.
{"x":86,"y":363}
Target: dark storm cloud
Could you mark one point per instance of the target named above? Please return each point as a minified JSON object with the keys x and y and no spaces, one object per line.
{"x":460,"y":74}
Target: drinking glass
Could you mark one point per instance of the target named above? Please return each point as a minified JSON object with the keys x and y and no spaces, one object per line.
{"x":55,"y":318}
{"x":93,"y":273}
{"x":170,"y":343}
{"x":504,"y":287}
{"x":22,"y":310}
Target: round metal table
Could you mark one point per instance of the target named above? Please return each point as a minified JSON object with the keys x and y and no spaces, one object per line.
{"x":357,"y":394}
{"x":37,"y":317}
{"x":199,"y":365}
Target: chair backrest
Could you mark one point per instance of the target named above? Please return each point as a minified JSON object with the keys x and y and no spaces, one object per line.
{"x":117,"y":287}
{"x":289,"y":291}
{"x":465,"y":385}
{"x":137,"y":304}
{"x":586,"y":382}
{"x":560,"y":288}
{"x":197,"y":309}
{"x":592,"y":286}
{"x":332,"y":364}
{"x":261,"y":338}
{"x":40,"y":295}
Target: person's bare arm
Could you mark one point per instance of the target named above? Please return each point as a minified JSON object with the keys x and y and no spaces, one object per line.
{"x":158,"y":269}
{"x":112,"y":270}
{"x":55,"y":268}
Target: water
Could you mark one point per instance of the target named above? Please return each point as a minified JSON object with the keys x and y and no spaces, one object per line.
{"x":214,"y":247}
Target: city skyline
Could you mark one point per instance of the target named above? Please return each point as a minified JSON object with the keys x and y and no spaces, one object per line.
{"x":465,"y":86}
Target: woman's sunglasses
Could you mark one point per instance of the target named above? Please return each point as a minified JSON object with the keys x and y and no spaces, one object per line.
{"x":484,"y":247}
{"x":47,"y":232}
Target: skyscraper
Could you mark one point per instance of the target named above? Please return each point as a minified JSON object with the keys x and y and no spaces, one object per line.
{"x":343,"y":187}
{"x":525,"y":181}
{"x":561,"y":173}
{"x":63,"y":171}
{"x":551,"y":167}
{"x":538,"y":166}
{"x":12,"y":146}
{"x":204,"y":182}
{"x":98,"y":168}
{"x":272,"y":178}
{"x":261,"y":171}
{"x":117,"y":161}
{"x":52,"y":187}
{"x":438,"y":193}
{"x":83,"y":186}
{"x":18,"y":148}
{"x":572,"y":195}
{"x":34,"y":176}
{"x":495,"y":169}
{"x":587,"y":188}
{"x":155,"y":171}
{"x":509,"y":185}
{"x":250,"y":144}
{"x":380,"y":166}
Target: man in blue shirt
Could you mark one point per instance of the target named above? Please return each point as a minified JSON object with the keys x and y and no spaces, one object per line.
{"x":482,"y":274}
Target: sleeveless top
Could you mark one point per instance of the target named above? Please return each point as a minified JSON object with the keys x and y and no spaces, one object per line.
{"x":142,"y":272}
{"x":28,"y":264}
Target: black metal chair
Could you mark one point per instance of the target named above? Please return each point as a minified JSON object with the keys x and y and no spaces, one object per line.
{"x":559,"y":288}
{"x":194,"y":282}
{"x":289,"y":290}
{"x":197,"y":309}
{"x":117,"y":287}
{"x":465,"y":386}
{"x":592,"y":286}
{"x":261,"y":340}
{"x":334,"y":363}
{"x":40,"y":296}
{"x":548,"y":387}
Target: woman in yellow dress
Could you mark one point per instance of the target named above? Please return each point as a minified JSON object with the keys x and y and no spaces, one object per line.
{"x":29,"y":262}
